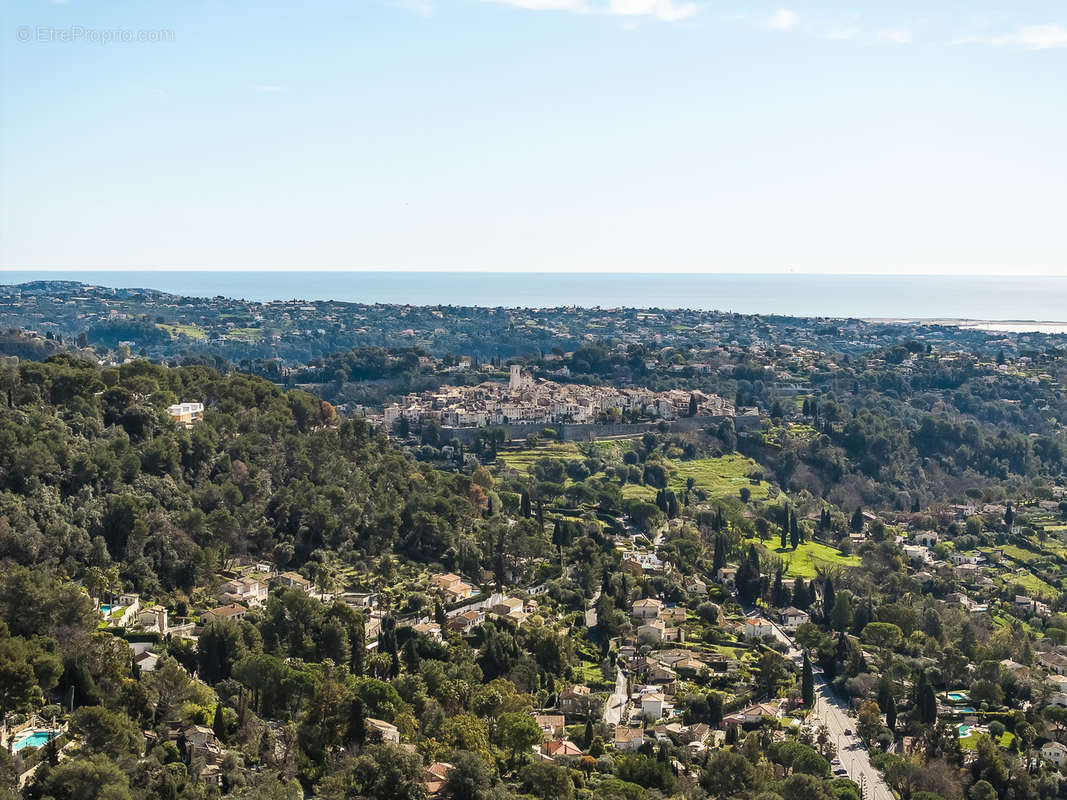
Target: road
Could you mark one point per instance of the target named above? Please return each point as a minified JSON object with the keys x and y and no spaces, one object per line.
{"x":833,"y":712}
{"x":617,"y":702}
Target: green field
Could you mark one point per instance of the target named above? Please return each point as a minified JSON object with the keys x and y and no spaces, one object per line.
{"x":189,"y":331}
{"x":245,"y":334}
{"x":522,"y":461}
{"x":801,"y":563}
{"x":719,"y":477}
{"x":1034,"y":585}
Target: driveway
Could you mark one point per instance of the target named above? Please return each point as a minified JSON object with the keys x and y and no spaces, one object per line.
{"x":617,"y":701}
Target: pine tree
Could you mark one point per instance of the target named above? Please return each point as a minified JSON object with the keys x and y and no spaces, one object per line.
{"x":857,"y":520}
{"x":807,"y":683}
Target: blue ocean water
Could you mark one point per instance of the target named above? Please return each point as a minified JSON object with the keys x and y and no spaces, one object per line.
{"x":927,"y":297}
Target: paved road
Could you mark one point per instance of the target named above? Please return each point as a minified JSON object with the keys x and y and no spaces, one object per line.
{"x":617,"y":701}
{"x":833,"y":712}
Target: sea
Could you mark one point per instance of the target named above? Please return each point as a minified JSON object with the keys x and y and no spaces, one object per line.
{"x":1009,"y":303}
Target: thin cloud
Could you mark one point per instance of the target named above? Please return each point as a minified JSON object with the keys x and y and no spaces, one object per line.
{"x":782,"y":20}
{"x":843,"y":33}
{"x":895,"y":35}
{"x":665,"y":10}
{"x":267,"y":88}
{"x":1030,"y":37}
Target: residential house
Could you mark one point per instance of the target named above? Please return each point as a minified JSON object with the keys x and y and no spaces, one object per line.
{"x":467,"y":621}
{"x":673,"y":615}
{"x":510,"y":608}
{"x":727,"y":575}
{"x":231,"y":611}
{"x":757,"y":628}
{"x":294,"y":580}
{"x":380,"y":729}
{"x":146,"y":661}
{"x":647,"y":608}
{"x":657,"y":631}
{"x":655,"y":704}
{"x":926,"y":538}
{"x":551,"y":725}
{"x":791,"y":618}
{"x":153,"y":618}
{"x":628,"y":739}
{"x":436,"y":776}
{"x":452,"y":587}
{"x":696,"y":586}
{"x":1053,"y":662}
{"x":201,"y":741}
{"x":248,"y":592}
{"x":574,"y":699}
{"x":1054,"y":752}
{"x":361,"y":600}
{"x":560,"y":747}
{"x":187,"y":414}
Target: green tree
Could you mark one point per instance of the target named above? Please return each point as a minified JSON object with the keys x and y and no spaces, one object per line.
{"x":807,"y":683}
{"x":518,"y":732}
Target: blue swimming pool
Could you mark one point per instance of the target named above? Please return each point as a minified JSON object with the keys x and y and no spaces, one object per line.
{"x":965,"y":730}
{"x":35,"y":739}
{"x":956,"y":696}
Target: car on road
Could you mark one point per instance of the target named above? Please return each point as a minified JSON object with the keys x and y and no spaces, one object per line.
{"x":848,"y":731}
{"x":840,"y":771}
{"x":836,"y":762}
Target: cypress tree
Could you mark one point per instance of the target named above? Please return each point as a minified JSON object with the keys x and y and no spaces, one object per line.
{"x":588,"y":733}
{"x":357,"y":725}
{"x":524,"y":505}
{"x":807,"y":683}
{"x":828,"y":601}
{"x":218,"y":725}
{"x":357,"y":637}
{"x":891,"y":715}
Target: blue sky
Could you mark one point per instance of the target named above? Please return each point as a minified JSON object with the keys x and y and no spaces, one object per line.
{"x":584,"y":135}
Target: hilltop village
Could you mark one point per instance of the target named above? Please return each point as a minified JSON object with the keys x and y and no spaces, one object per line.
{"x":525,"y":400}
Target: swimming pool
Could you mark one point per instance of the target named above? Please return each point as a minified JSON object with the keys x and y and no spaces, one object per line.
{"x":964,"y":730}
{"x":956,"y":696}
{"x":35,"y":739}
{"x":105,"y":609}
{"x":964,"y":710}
